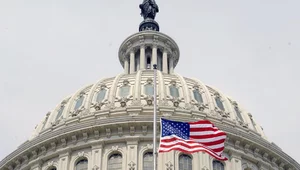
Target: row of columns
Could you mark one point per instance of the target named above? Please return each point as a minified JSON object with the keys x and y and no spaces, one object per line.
{"x":129,"y":65}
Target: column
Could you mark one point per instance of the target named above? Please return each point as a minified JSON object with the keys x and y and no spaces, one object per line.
{"x":142,"y":57}
{"x":96,"y":156}
{"x":132,"y":61}
{"x":126,"y":65}
{"x":154,"y":56}
{"x":236,"y":161}
{"x":165,"y":62}
{"x":132,"y":153}
{"x":171,"y":65}
{"x":64,"y":160}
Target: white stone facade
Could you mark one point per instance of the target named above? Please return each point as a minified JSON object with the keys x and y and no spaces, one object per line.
{"x":114,"y":116}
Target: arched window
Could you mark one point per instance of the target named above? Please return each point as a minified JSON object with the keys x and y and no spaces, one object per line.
{"x":79,"y":102}
{"x":238,"y":113}
{"x":219,"y":103}
{"x":149,"y":89}
{"x":148,"y":161}
{"x":82,"y":165}
{"x":101,"y":95}
{"x":115,"y":162}
{"x":124,"y":91}
{"x":60,"y":111}
{"x":198,"y":96}
{"x":217,"y":165}
{"x":174,"y":91}
{"x":52,"y":168}
{"x":185,"y":162}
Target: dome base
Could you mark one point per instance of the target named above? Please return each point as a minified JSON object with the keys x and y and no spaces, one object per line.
{"x":149,"y":24}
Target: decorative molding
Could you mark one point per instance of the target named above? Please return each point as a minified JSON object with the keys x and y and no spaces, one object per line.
{"x":44,"y":150}
{"x":131,"y":165}
{"x":144,"y":130}
{"x":247,"y":148}
{"x":80,"y":154}
{"x":204,"y":168}
{"x":256,"y":152}
{"x":120,"y":131}
{"x":74,"y":139}
{"x":169,"y":165}
{"x":95,"y":168}
{"x":53,"y":146}
{"x":34,"y":154}
{"x":85,"y":136}
{"x":132,"y":130}
{"x":114,"y":148}
{"x":63,"y":142}
{"x":25,"y":159}
{"x":96,"y":134}
{"x":108,"y":132}
{"x":265,"y":156}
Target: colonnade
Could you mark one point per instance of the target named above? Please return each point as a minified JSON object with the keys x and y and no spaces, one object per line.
{"x":130,"y":65}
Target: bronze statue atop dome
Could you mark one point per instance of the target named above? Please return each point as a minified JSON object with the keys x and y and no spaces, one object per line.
{"x":149,"y":9}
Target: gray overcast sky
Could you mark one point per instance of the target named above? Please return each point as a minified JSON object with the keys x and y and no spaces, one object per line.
{"x":247,"y":49}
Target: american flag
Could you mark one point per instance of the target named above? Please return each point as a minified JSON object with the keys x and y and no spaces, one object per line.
{"x":190,"y":137}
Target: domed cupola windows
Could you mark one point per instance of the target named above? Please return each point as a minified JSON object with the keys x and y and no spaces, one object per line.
{"x":78,"y":107}
{"x":197,"y":93}
{"x":237,"y":111}
{"x":218,"y":101}
{"x":174,"y":92}
{"x":125,"y":89}
{"x":60,"y":110}
{"x":79,"y":101}
{"x":101,"y":95}
{"x":149,"y":88}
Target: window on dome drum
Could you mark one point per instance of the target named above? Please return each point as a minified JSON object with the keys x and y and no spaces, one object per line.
{"x":79,"y":102}
{"x":59,"y":113}
{"x":219,"y":103}
{"x":149,"y":89}
{"x":217,"y":165}
{"x":238,"y":113}
{"x":115,"y":162}
{"x":82,"y":165}
{"x":124,"y":91}
{"x":185,"y":162}
{"x":174,"y":91}
{"x":101,"y":95}
{"x":197,"y":96}
{"x":148,"y":161}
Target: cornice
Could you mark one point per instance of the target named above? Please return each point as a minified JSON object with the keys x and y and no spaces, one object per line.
{"x":39,"y":146}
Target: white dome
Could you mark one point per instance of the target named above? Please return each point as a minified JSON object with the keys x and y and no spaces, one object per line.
{"x":106,"y":99}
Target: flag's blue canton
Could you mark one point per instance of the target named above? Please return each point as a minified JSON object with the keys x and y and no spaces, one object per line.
{"x":179,"y":129}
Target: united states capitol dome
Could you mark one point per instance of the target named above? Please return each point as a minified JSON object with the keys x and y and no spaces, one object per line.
{"x":108,"y":125}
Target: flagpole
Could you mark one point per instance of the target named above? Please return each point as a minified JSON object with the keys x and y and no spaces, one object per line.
{"x":154,"y":119}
